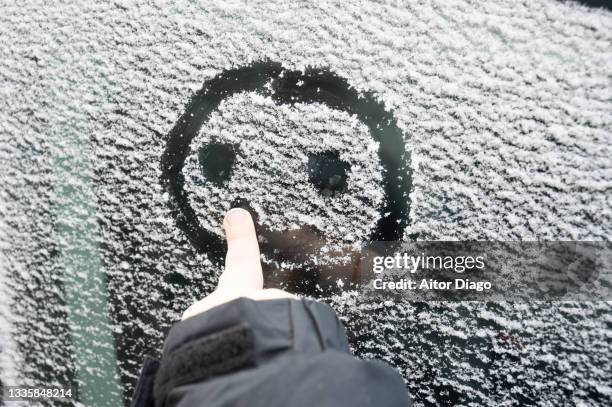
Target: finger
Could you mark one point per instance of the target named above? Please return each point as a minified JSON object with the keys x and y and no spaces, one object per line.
{"x":242,"y":265}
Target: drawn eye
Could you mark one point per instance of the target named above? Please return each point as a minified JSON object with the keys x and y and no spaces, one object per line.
{"x":328,"y":173}
{"x":216,"y":162}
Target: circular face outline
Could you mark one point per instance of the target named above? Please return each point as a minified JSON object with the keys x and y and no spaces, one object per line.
{"x":313,"y":85}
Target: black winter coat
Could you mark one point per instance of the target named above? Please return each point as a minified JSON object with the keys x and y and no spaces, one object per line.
{"x":265,"y":353}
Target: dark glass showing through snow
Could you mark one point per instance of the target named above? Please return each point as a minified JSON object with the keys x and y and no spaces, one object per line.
{"x":328,"y":173}
{"x":216,"y":161}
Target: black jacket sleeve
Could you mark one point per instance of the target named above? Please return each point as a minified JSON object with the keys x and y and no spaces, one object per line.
{"x":265,"y":353}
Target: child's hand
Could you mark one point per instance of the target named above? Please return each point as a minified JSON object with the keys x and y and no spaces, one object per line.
{"x":242,"y":276}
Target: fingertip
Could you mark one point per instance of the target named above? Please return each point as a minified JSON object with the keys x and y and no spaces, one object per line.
{"x":236,"y":216}
{"x":238,"y":222}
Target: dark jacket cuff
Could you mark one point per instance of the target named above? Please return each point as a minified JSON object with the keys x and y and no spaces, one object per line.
{"x":243,"y":334}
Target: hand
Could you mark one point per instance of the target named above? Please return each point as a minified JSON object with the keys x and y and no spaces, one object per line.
{"x":242,"y":276}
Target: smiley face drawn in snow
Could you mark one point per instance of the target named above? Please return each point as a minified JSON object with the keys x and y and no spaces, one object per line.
{"x":320,"y":165}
